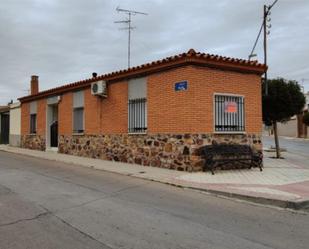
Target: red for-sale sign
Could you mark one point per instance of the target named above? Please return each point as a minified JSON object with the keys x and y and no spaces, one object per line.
{"x":230,"y":107}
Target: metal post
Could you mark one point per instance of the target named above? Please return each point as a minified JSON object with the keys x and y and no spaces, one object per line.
{"x":129,"y":28}
{"x":266,"y":13}
{"x":265,"y":47}
{"x":129,"y":40}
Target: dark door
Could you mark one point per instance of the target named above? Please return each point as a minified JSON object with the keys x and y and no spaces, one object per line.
{"x":5,"y":128}
{"x":54,"y":134}
{"x":301,"y":127}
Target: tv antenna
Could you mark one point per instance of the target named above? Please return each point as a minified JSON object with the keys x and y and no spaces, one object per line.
{"x":129,"y":27}
{"x":27,"y":91}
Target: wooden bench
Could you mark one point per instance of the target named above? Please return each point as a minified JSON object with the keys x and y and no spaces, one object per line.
{"x":217,"y":155}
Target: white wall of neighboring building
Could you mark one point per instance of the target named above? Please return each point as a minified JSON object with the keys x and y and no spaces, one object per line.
{"x":15,"y":124}
{"x":288,"y":129}
{"x":307,"y":101}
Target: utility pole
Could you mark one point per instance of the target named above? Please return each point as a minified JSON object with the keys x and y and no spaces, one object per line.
{"x":129,"y":27}
{"x":265,"y":46}
{"x":264,"y":27}
{"x":266,"y":13}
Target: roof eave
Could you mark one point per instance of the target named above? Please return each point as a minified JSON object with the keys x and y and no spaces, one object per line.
{"x":151,"y":68}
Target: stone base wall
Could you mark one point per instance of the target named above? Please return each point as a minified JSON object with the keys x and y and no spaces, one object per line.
{"x":173,"y":151}
{"x":33,"y":142}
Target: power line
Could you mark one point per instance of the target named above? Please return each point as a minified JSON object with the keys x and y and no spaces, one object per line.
{"x":260,"y":30}
{"x":256,"y":41}
{"x":269,"y":7}
{"x":264,"y":27}
{"x":129,"y":27}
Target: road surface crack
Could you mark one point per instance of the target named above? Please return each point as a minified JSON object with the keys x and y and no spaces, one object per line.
{"x":111,"y":195}
{"x":81,"y":232}
{"x":26,"y":219}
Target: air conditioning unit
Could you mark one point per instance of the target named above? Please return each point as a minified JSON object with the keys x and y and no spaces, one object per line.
{"x":99,"y":88}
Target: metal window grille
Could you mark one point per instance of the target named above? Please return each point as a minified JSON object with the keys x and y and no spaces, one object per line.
{"x":32,"y":123}
{"x":137,"y":115}
{"x":229,"y":113}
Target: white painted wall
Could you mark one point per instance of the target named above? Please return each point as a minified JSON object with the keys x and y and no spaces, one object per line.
{"x":288,"y":129}
{"x":15,"y":119}
{"x":307,"y":101}
{"x":15,"y":124}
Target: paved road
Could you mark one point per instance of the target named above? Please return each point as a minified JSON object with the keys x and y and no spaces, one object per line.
{"x":293,"y":145}
{"x":297,"y":149}
{"x":44,"y":204}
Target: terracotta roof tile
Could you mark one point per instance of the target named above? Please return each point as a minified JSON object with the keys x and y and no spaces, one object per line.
{"x":4,"y":108}
{"x":190,"y":57}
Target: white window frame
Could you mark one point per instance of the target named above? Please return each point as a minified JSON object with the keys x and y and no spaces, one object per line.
{"x":214,"y":113}
{"x":137,"y":90}
{"x":143,"y":100}
{"x":35,"y":131}
{"x":78,"y":107}
{"x":33,"y":105}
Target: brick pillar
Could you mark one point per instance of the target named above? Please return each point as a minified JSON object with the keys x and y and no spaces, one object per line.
{"x":34,"y":84}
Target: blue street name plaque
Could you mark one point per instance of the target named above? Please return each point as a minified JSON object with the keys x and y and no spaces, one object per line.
{"x":181,"y":86}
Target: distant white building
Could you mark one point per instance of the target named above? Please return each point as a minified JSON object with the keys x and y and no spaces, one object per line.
{"x":15,"y":121}
{"x":307,"y":101}
{"x":10,"y":124}
{"x":295,"y":126}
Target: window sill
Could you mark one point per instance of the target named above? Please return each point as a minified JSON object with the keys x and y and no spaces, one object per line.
{"x":78,"y":134}
{"x":230,"y":132}
{"x":32,"y":134}
{"x":137,"y":133}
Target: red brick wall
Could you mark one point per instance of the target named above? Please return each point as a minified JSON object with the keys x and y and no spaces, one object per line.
{"x":41,"y":117}
{"x":101,"y":115}
{"x":188,"y":111}
{"x":191,"y":111}
{"x":92,"y":111}
{"x":115,"y":109}
{"x":25,"y":118}
{"x":107,"y":115}
{"x":65,"y":114}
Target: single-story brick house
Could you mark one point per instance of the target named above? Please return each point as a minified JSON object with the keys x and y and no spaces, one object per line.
{"x":157,"y":114}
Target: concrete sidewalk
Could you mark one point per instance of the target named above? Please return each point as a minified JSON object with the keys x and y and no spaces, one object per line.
{"x":282,"y":183}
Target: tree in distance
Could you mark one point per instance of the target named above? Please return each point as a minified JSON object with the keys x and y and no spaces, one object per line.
{"x":284,"y":100}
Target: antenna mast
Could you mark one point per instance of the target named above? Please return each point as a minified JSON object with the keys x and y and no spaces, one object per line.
{"x":128,"y":21}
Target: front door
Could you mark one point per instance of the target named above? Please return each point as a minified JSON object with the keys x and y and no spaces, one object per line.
{"x":5,"y":128}
{"x":54,"y":134}
{"x":54,"y":126}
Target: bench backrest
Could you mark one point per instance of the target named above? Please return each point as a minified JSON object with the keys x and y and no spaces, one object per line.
{"x":226,"y":150}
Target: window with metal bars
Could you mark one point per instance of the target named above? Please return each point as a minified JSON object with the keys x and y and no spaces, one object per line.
{"x":229,"y":113}
{"x":137,"y":109}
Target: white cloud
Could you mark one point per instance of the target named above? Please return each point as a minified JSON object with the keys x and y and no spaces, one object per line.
{"x":65,"y":41}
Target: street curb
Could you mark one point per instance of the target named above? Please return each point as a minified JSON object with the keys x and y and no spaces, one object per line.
{"x":303,"y":205}
{"x":299,"y":206}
